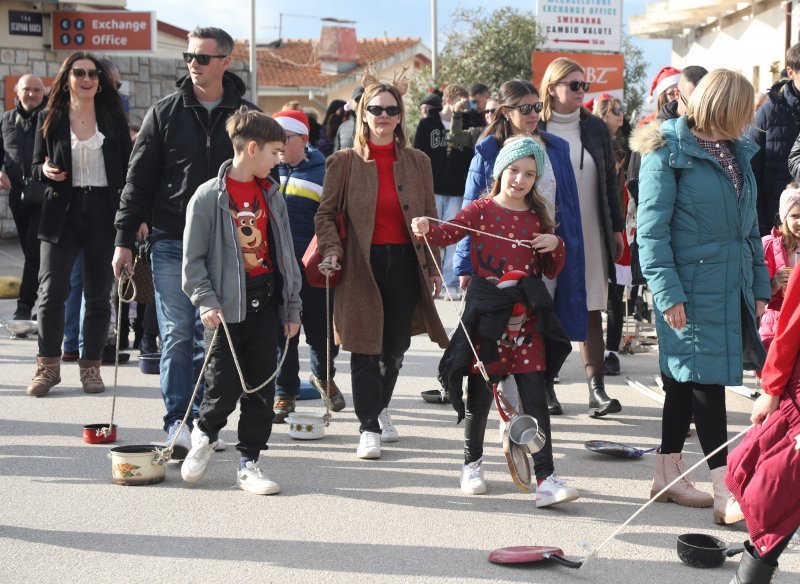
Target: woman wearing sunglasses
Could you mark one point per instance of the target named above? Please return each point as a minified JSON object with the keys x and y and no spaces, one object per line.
{"x":388,"y":278}
{"x":81,"y":153}
{"x":592,"y":158}
{"x":517,"y":114}
{"x":609,"y":109}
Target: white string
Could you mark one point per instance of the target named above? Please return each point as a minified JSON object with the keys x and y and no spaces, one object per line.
{"x":521,"y":242}
{"x":664,"y":490}
{"x":478,"y":363}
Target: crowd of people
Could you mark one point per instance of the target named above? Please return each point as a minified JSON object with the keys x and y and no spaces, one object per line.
{"x":538,"y":209}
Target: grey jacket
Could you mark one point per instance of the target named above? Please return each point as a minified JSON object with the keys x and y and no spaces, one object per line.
{"x":213,"y":269}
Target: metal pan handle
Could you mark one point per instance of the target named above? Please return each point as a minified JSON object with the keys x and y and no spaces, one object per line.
{"x":563,"y":561}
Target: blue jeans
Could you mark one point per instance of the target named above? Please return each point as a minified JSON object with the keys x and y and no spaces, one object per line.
{"x":182,"y":349}
{"x":75,"y":309}
{"x":447,"y":208}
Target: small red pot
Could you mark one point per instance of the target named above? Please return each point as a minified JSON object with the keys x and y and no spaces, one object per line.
{"x":92,"y":434}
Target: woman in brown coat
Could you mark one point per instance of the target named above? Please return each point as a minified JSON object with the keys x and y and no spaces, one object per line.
{"x":388,"y":278}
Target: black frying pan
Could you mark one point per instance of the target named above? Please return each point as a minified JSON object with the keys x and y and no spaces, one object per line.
{"x":699,"y":550}
{"x":615,"y":449}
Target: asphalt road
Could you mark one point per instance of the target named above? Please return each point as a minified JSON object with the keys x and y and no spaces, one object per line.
{"x":338,"y":518}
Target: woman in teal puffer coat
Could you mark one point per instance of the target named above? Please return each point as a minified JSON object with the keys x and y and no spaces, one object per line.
{"x":701,"y":254}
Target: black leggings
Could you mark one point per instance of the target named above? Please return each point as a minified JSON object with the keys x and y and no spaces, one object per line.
{"x":707,"y":404}
{"x":531,"y":388}
{"x":616,"y":316}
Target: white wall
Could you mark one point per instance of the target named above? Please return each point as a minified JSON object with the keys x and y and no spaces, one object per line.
{"x":750,"y":45}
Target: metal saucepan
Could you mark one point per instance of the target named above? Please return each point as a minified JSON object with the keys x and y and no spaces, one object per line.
{"x":525,"y":554}
{"x":699,"y":550}
{"x":525,"y":431}
{"x":99,"y":434}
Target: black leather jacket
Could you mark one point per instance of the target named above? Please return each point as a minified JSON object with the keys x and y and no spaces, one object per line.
{"x":17,"y":136}
{"x":179,"y":147}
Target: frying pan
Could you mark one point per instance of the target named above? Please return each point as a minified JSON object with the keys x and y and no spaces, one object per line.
{"x":434,"y":396}
{"x":525,"y":554}
{"x":518,"y":465}
{"x":699,"y":550}
{"x":615,"y":449}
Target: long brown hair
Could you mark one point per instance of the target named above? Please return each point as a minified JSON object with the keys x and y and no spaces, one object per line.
{"x":535,"y":201}
{"x":107,"y":102}
{"x":511,"y":94}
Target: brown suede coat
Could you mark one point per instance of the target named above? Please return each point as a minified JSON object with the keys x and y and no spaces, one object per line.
{"x":358,"y":310}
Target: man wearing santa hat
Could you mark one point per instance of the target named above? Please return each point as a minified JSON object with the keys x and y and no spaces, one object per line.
{"x":302,"y":171}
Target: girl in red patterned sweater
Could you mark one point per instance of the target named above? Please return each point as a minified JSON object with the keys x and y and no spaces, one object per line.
{"x":515,"y":211}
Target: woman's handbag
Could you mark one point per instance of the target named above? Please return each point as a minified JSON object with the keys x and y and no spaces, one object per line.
{"x":142,"y":277}
{"x":312,"y":258}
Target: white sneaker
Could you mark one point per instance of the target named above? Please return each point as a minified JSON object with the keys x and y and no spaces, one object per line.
{"x":369,"y":446}
{"x":472,"y":482}
{"x":553,"y":491}
{"x":183,"y":444}
{"x":195,"y":465}
{"x":253,"y":480}
{"x":388,"y":431}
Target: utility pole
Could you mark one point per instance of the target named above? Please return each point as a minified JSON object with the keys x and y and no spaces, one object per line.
{"x":434,"y":65}
{"x":253,"y":55}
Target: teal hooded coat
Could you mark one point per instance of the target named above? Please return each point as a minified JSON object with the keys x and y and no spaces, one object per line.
{"x":699,"y":245}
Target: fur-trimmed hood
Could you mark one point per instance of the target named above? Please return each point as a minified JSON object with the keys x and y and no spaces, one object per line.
{"x":647,"y":139}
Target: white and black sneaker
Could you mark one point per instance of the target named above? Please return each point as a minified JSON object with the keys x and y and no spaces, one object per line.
{"x":553,"y":491}
{"x":183,"y":444}
{"x":253,"y":480}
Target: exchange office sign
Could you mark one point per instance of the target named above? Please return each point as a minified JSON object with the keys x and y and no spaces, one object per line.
{"x":580,"y":25}
{"x":25,"y":23}
{"x":107,"y":30}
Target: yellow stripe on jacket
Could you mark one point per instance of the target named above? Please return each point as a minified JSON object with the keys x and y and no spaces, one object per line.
{"x":298,"y":187}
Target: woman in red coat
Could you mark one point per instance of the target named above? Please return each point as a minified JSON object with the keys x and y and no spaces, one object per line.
{"x":764,"y":470}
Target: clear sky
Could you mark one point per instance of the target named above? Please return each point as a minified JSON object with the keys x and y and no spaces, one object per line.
{"x":374,"y":18}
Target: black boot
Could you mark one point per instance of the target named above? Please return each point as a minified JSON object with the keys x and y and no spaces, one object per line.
{"x":23,"y":312}
{"x":599,"y":402}
{"x":752,"y":570}
{"x":553,"y":405}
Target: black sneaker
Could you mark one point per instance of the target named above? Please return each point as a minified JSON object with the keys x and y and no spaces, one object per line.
{"x":23,"y":312}
{"x":108,"y":356}
{"x":611,"y":364}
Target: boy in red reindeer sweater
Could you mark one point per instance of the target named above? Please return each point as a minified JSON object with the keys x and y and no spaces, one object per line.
{"x":239,"y":264}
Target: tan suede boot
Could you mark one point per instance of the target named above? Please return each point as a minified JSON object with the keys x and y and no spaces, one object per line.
{"x":726,"y":508}
{"x":48,"y":374}
{"x":668,"y":468}
{"x":90,"y":376}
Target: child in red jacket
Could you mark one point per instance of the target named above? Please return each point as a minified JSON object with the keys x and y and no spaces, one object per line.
{"x":764,"y":470}
{"x":780,"y":254}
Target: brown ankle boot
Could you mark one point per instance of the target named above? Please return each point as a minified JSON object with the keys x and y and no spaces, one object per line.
{"x":90,"y":376}
{"x":48,"y":374}
{"x":726,"y":508}
{"x":668,"y":468}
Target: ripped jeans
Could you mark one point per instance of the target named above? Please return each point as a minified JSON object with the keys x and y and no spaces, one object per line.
{"x":396,"y":272}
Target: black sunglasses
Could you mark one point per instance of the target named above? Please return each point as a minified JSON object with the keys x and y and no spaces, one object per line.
{"x":617,"y":111}
{"x":391,"y":111}
{"x":575,"y":85}
{"x":527,"y":108}
{"x":200,"y":58}
{"x":79,"y":73}
{"x":489,"y":111}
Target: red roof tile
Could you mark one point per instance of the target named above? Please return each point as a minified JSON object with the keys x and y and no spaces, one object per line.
{"x":295,"y":64}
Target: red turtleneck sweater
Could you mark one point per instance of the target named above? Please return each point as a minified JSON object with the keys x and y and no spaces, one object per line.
{"x":390,"y":223}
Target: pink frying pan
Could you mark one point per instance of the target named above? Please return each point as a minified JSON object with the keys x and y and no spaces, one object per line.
{"x":525,"y":554}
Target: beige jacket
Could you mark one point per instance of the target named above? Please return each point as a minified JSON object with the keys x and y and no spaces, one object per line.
{"x":358,"y":310}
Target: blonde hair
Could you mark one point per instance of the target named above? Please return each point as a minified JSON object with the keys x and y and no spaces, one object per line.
{"x":722,"y":102}
{"x":535,"y":201}
{"x":362,"y":128}
{"x":555,"y":72}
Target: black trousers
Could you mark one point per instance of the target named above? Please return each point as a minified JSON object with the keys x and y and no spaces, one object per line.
{"x":254,"y":342}
{"x":26,"y":218}
{"x":531,"y":388}
{"x":616,"y":316}
{"x":396,"y":272}
{"x":89,"y":227}
{"x":707,"y":404}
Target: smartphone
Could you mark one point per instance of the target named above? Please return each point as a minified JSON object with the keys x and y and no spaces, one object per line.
{"x":473,"y":105}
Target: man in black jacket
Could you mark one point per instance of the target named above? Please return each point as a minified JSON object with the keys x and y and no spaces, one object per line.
{"x":775,"y":129}
{"x":181,"y":145}
{"x":17,"y":135}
